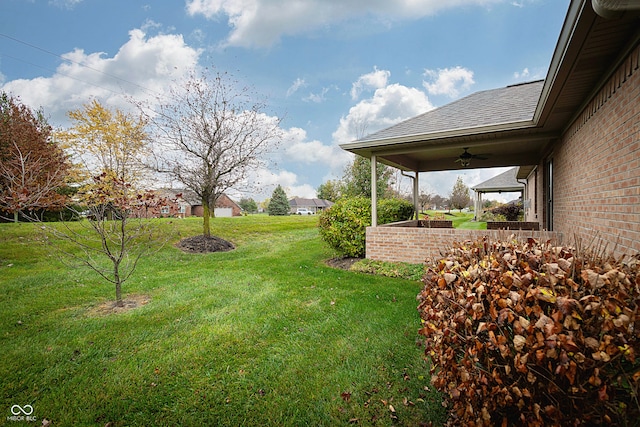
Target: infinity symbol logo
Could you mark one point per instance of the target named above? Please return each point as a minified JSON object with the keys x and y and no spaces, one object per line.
{"x":26,"y":409}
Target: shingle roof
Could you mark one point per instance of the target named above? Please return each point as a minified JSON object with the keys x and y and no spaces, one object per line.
{"x":319,"y":203}
{"x":510,"y":104}
{"x":506,"y":181}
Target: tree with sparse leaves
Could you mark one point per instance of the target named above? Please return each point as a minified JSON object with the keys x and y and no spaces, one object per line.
{"x":33,"y":167}
{"x":279,"y":204}
{"x":424,"y":200}
{"x":210,"y":133}
{"x":459,"y":198}
{"x":109,"y":145}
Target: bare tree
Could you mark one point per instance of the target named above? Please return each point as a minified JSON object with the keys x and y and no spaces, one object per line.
{"x":210,"y":133}
{"x":114,"y":233}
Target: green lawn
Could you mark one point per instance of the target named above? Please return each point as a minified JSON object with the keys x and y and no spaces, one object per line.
{"x":263,"y":335}
{"x":463,"y":220}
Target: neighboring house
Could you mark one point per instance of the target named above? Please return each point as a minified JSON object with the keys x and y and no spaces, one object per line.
{"x":184,"y":203}
{"x":225,"y":207}
{"x":167,"y":203}
{"x":314,"y":205}
{"x":506,"y":182}
{"x":575,"y":137}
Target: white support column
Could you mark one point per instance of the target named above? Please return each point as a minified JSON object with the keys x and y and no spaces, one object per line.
{"x":374,"y":191}
{"x":416,"y":202}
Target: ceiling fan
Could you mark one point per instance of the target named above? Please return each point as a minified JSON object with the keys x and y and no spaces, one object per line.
{"x":465,"y":158}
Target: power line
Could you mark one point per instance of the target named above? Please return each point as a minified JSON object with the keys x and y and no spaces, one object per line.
{"x":73,"y":62}
{"x":4,"y":55}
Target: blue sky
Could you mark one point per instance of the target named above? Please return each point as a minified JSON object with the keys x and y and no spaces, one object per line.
{"x":329,"y":67}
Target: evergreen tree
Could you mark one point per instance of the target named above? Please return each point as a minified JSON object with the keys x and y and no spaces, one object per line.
{"x":279,"y":204}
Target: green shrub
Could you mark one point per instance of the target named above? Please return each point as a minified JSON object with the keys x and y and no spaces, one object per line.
{"x":511,"y":211}
{"x":343,"y":226}
{"x":530,"y":334}
{"x":393,"y":210}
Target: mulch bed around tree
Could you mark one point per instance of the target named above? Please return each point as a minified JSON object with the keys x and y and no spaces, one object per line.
{"x":202,"y":244}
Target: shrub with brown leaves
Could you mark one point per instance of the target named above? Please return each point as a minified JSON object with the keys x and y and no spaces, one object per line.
{"x":524,"y":333}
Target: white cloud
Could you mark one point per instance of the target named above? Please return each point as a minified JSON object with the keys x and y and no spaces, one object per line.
{"x":442,"y":182}
{"x":268,"y":180}
{"x":317,"y":97}
{"x":142,"y":67}
{"x":297,"y":84}
{"x":68,"y":4}
{"x":448,"y":81}
{"x":374,"y":80}
{"x":388,"y":106}
{"x":524,"y":74}
{"x":529,"y":75}
{"x":261,"y":23}
{"x":297,"y":148}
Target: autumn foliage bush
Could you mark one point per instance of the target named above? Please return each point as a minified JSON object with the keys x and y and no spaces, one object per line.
{"x":526,"y":333}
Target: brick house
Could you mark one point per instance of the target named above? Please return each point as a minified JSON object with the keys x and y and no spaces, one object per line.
{"x":184,"y":203}
{"x":575,"y":138}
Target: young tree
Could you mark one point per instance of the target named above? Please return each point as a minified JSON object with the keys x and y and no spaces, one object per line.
{"x":357,"y":178}
{"x":115,"y":234}
{"x":459,"y":198}
{"x":425,"y":200}
{"x":248,"y":205}
{"x":33,"y":168}
{"x":279,"y":204}
{"x":109,"y":145}
{"x":211,"y":133}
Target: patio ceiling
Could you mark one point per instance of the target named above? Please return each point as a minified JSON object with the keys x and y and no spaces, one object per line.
{"x":516,"y":125}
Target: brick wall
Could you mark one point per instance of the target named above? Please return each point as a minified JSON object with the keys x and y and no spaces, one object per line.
{"x":597,"y":166}
{"x":415,"y":245}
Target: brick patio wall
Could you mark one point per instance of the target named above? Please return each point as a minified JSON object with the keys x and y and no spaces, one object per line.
{"x":597,"y":166}
{"x":416,"y":244}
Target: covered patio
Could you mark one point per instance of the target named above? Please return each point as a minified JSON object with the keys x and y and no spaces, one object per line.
{"x":493,"y":128}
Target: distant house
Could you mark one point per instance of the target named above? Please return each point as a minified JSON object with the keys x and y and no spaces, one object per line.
{"x":506,"y":182}
{"x":225,"y":207}
{"x":184,"y":203}
{"x":314,"y":205}
{"x":574,"y":137}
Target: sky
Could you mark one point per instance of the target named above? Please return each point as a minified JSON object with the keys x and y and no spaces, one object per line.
{"x":333,"y":70}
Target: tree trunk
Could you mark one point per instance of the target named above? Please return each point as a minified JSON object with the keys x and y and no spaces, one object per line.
{"x":206,"y":214}
{"x":16,"y":215}
{"x":119,"y":301}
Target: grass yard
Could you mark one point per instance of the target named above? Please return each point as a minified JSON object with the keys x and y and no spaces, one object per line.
{"x":462,"y":220}
{"x":264,"y":335}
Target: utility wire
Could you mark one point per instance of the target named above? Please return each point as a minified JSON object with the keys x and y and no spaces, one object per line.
{"x":73,"y":62}
{"x":4,"y":55}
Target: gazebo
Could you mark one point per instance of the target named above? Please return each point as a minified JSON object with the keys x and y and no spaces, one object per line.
{"x":506,"y":182}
